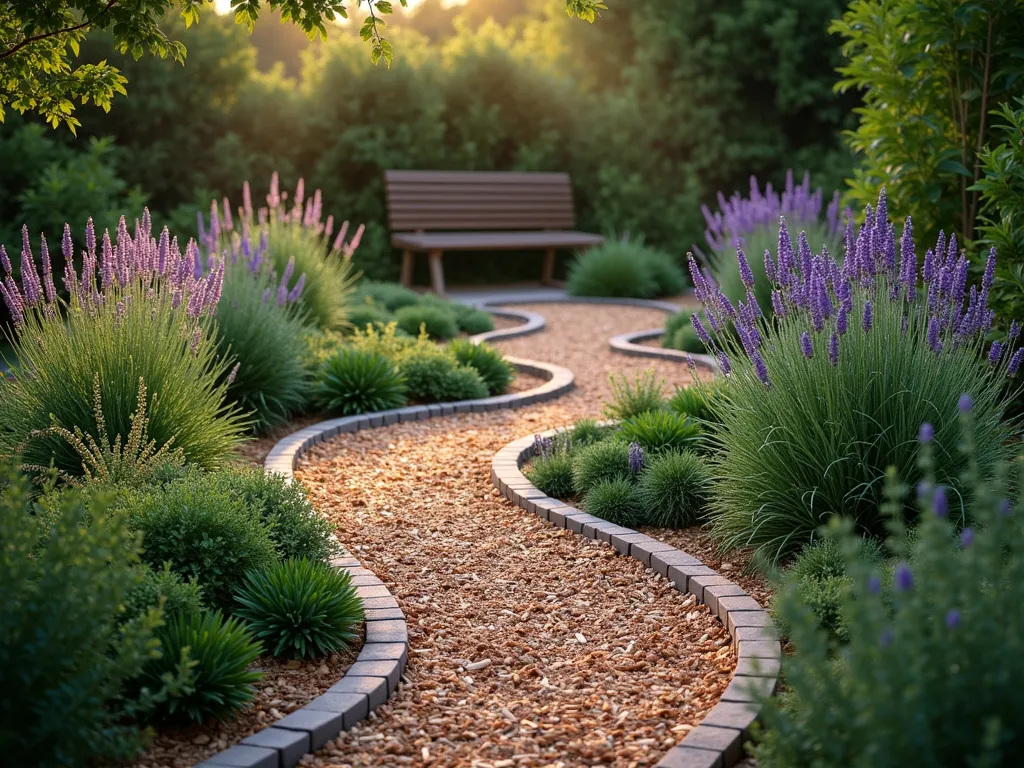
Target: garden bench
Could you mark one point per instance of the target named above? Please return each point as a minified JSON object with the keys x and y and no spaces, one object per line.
{"x":436,"y":211}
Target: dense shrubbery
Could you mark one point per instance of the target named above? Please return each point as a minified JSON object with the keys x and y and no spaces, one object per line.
{"x":496,"y":372}
{"x":434,"y":376}
{"x":625,"y":269}
{"x":857,"y":357}
{"x":203,"y":532}
{"x":660,"y":431}
{"x":165,"y":589}
{"x":614,"y":500}
{"x":631,"y":398}
{"x":302,"y":608}
{"x":436,"y":321}
{"x":600,"y":462}
{"x":673,"y":489}
{"x":64,"y":658}
{"x":136,"y":312}
{"x":928,"y":673}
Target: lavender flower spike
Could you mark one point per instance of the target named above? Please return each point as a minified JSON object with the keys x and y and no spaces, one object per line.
{"x":745,"y":274}
{"x":760,"y":368}
{"x":926,"y":433}
{"x":995,"y":353}
{"x":702,"y":332}
{"x":1015,"y":362}
{"x":805,"y":345}
{"x":833,"y":349}
{"x":636,"y":458}
{"x":867,"y":318}
{"x":5,"y":262}
{"x":904,"y":578}
{"x":933,"y":335}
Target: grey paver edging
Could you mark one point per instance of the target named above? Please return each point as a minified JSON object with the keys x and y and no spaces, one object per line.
{"x":717,"y":741}
{"x":373,"y":677}
{"x":625,"y":343}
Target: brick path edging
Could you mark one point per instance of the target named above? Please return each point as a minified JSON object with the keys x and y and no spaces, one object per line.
{"x":374,"y":676}
{"x":629,"y":344}
{"x":717,"y":741}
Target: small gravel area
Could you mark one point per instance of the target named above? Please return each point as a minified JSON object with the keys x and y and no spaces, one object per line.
{"x":530,"y":646}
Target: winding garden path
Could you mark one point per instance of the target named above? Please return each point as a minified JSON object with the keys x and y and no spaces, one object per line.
{"x":530,"y":646}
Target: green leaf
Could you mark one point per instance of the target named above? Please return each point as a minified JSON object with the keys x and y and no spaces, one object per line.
{"x":954,"y":166}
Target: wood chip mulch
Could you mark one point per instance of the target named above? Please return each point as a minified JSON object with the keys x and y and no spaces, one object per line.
{"x":530,"y":646}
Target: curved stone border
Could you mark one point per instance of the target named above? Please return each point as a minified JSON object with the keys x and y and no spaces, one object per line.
{"x":717,"y":741}
{"x":629,"y":344}
{"x":374,"y":676}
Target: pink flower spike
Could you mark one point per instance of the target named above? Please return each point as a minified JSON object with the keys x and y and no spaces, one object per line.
{"x":354,"y":243}
{"x":300,"y":192}
{"x":66,"y":245}
{"x":228,"y":223}
{"x":329,"y":228}
{"x":231,"y":376}
{"x":6,"y":262}
{"x":340,"y":239}
{"x":246,"y":200}
{"x":274,"y":198}
{"x":51,"y":293}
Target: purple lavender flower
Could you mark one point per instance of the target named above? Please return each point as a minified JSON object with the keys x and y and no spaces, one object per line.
{"x":1005,"y":507}
{"x":1014,"y":332}
{"x":833,"y":349}
{"x":966,"y":537}
{"x":724,"y":364}
{"x":933,"y":335}
{"x":874,"y":585}
{"x":702,"y":332}
{"x":842,"y":319}
{"x":760,"y":368}
{"x":50,"y":291}
{"x":805,"y":345}
{"x":866,"y":317}
{"x":193,"y":346}
{"x":769,"y":265}
{"x":940,"y":504}
{"x":966,"y":403}
{"x":952,"y":618}
{"x":778,"y":307}
{"x":1015,"y":362}
{"x":904,"y":578}
{"x":990,"y":269}
{"x":29,"y":276}
{"x":926,"y":433}
{"x":689,"y":362}
{"x":296,"y":291}
{"x":908,"y":260}
{"x":745,"y":274}
{"x":636,"y":458}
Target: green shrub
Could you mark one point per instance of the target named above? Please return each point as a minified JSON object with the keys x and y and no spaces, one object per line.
{"x":614,"y":269}
{"x":675,"y":326}
{"x":615,"y":501}
{"x":63,"y":658}
{"x":593,"y":464}
{"x":203,"y":532}
{"x":586,"y":432}
{"x":295,"y":527}
{"x":645,"y":393}
{"x":687,"y":340}
{"x":136,"y":331}
{"x":358,"y":381}
{"x":490,"y":363}
{"x":391,"y":296}
{"x":814,"y":417}
{"x":667,"y":274}
{"x":659,"y":431}
{"x":438,"y":321}
{"x":691,"y":401}
{"x":434,"y":376}
{"x":673,"y":489}
{"x":265,"y":339}
{"x":929,"y":674}
{"x":361,"y":314}
{"x":163,"y":588}
{"x":301,"y":608}
{"x":474,"y":321}
{"x":218,"y":652}
{"x":320,"y":346}
{"x":552,"y":475}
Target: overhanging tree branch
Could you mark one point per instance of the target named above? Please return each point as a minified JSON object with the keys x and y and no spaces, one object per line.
{"x":44,"y":35}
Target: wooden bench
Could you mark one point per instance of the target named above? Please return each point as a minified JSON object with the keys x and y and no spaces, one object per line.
{"x":436,"y":211}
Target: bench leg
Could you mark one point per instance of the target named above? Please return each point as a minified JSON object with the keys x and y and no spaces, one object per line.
{"x":407,"y":269}
{"x":436,"y":272}
{"x":548,"y":276}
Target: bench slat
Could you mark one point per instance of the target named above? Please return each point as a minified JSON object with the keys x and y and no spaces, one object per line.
{"x":493,"y":241}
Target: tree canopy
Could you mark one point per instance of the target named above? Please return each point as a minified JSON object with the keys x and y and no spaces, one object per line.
{"x":40,"y":40}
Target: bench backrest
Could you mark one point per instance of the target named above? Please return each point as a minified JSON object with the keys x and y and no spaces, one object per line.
{"x":478,"y":200}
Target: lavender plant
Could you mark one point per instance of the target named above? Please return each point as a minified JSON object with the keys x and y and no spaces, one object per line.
{"x":830,"y":392}
{"x":751,"y":223}
{"x":141,"y":308}
{"x":295,"y":238}
{"x":929,"y":672}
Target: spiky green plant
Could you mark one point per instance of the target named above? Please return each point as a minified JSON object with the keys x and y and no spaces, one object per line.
{"x":659,"y":431}
{"x":437,"y":321}
{"x":592,"y":464}
{"x":615,"y":501}
{"x":219,"y":653}
{"x":301,"y":608}
{"x":673,"y":489}
{"x":489,"y":362}
{"x":631,"y":398}
{"x":359,"y":381}
{"x":552,"y":474}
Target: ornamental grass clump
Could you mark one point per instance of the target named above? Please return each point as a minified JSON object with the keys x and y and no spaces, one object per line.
{"x":831,"y":392}
{"x":359,"y":381}
{"x":301,"y":608}
{"x":492,"y":366}
{"x":593,"y":464}
{"x":660,"y":431}
{"x":139,"y":309}
{"x":631,"y":398}
{"x":930,"y":672}
{"x":673,"y":489}
{"x":294,"y":236}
